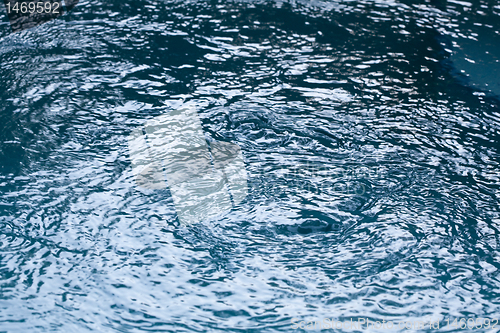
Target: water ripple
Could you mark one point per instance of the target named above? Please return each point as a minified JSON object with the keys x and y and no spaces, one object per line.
{"x":370,"y":134}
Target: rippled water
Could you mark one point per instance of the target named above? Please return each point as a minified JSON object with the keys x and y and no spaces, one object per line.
{"x":369,"y":130}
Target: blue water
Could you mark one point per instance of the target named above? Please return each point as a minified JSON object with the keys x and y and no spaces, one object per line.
{"x":370,"y":134}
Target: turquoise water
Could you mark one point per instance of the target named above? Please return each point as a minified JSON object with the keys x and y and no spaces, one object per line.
{"x":369,"y":131}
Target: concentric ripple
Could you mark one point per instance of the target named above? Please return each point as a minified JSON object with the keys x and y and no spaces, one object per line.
{"x":370,"y":133}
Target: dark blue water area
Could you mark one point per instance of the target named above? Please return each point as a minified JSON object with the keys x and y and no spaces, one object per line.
{"x":369,"y":131}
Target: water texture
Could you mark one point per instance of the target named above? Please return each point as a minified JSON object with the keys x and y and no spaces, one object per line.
{"x":369,"y":131}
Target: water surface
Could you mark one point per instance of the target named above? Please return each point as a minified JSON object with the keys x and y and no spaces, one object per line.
{"x":370,"y":133}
